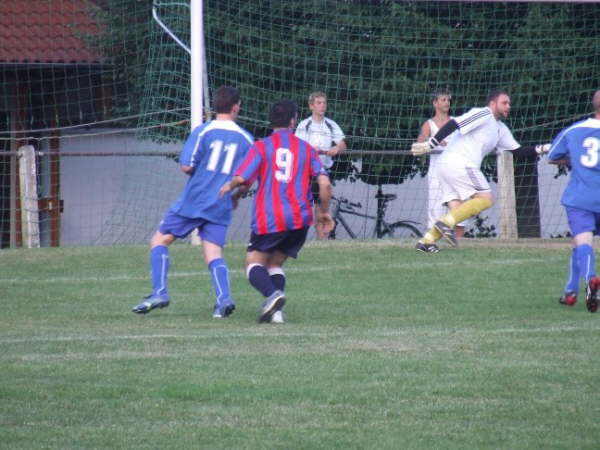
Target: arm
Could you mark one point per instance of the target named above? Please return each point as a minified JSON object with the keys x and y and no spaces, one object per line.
{"x":559,"y":151}
{"x":566,"y":161}
{"x":337,"y":148}
{"x":324,"y":220}
{"x":245,"y":173}
{"x":450,"y":127}
{"x":532,"y":150}
{"x":425,"y":132}
{"x":323,"y":216}
{"x":466,"y":123}
{"x":507,"y":143}
{"x":241,"y":192}
{"x":191,"y":148}
{"x":231,"y":185}
{"x":337,"y":136}
{"x":424,"y":147}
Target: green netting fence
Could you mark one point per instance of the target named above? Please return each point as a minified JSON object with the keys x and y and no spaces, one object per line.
{"x":378,"y":62}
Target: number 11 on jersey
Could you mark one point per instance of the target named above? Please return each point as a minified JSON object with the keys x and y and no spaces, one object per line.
{"x":216,"y":148}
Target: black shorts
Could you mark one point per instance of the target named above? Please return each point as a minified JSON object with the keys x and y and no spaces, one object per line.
{"x":287,"y":242}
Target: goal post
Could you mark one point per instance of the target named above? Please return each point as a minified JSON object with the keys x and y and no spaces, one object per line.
{"x":507,"y":207}
{"x":199,"y":92}
{"x":30,"y":227}
{"x":197,"y":73}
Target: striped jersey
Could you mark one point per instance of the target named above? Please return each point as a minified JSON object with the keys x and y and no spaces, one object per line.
{"x":581,"y":144}
{"x":284,"y":165}
{"x":214,"y":150}
{"x":479,"y":133}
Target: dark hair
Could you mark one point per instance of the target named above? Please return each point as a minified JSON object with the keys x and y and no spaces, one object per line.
{"x":282,"y":112}
{"x":494,"y":94}
{"x":225,"y":98}
{"x":441,"y":93}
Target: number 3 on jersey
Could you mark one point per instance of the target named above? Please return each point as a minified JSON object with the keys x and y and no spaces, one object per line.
{"x":284,"y":160}
{"x":215,"y":155}
{"x":590,"y":159}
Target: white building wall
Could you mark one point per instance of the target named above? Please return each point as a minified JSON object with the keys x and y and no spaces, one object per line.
{"x":121,"y":200}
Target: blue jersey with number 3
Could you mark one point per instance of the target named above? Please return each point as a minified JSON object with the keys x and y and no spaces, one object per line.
{"x":213,"y":150}
{"x":581,"y":143}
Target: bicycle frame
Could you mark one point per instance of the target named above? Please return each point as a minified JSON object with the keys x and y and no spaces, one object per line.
{"x":382,"y":227}
{"x":338,"y":218}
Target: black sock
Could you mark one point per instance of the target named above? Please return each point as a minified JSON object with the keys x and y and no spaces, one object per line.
{"x":278,"y":280}
{"x":260,"y":280}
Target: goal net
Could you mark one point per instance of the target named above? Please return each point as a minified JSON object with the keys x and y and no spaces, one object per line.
{"x":102,"y":93}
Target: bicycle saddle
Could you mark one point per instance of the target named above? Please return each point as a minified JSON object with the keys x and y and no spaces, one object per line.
{"x":387,"y":197}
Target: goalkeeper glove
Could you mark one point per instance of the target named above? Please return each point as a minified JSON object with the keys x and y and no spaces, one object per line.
{"x":542,"y":148}
{"x":422,"y":148}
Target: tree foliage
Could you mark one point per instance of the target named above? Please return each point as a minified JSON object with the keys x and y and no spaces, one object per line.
{"x":378,"y":61}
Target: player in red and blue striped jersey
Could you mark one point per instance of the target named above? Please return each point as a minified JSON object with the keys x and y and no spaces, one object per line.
{"x":210,"y":156}
{"x":284,"y":167}
{"x":580,"y":145}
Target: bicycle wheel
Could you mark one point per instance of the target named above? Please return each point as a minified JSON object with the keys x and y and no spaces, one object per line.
{"x":407,"y":229}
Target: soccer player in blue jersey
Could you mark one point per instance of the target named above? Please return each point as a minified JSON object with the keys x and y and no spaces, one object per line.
{"x":284,"y":166}
{"x":210,"y":156}
{"x":579,"y":144}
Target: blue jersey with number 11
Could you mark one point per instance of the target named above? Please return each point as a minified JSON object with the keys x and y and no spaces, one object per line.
{"x":213,"y":150}
{"x":581,"y":143}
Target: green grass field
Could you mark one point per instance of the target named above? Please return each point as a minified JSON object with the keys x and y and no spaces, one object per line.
{"x":383,"y":348}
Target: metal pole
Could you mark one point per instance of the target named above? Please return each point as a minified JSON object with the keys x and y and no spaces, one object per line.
{"x":196,"y":33}
{"x":197,"y":70}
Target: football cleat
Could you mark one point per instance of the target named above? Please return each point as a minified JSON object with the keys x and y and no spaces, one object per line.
{"x":224,"y":310}
{"x":427,"y":248}
{"x":151,"y":302}
{"x":568,"y":298}
{"x":274,"y":302}
{"x":591,"y":294}
{"x":277,"y":317}
{"x":447,"y":233}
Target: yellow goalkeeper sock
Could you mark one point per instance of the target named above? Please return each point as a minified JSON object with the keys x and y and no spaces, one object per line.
{"x":468,"y":209}
{"x":431,"y":236}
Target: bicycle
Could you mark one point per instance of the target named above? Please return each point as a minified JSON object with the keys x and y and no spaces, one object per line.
{"x":382,"y":227}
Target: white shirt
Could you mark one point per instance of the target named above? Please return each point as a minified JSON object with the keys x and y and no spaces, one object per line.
{"x":322,"y":135}
{"x":479,"y":133}
{"x":433,"y":129}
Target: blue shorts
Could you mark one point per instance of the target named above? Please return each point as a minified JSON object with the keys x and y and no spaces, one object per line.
{"x":287,"y":242}
{"x":581,"y":220}
{"x":180,"y":227}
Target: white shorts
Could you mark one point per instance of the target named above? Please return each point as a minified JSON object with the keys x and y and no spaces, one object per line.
{"x":458,"y":182}
{"x":436,"y":208}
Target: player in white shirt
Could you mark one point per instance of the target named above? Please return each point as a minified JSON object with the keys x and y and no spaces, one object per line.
{"x":465,"y":189}
{"x":325,"y":136}
{"x":442,"y":100}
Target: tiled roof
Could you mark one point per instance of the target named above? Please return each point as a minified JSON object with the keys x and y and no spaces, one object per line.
{"x":46,"y":31}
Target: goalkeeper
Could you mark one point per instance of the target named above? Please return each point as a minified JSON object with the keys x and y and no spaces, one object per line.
{"x":465,"y":190}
